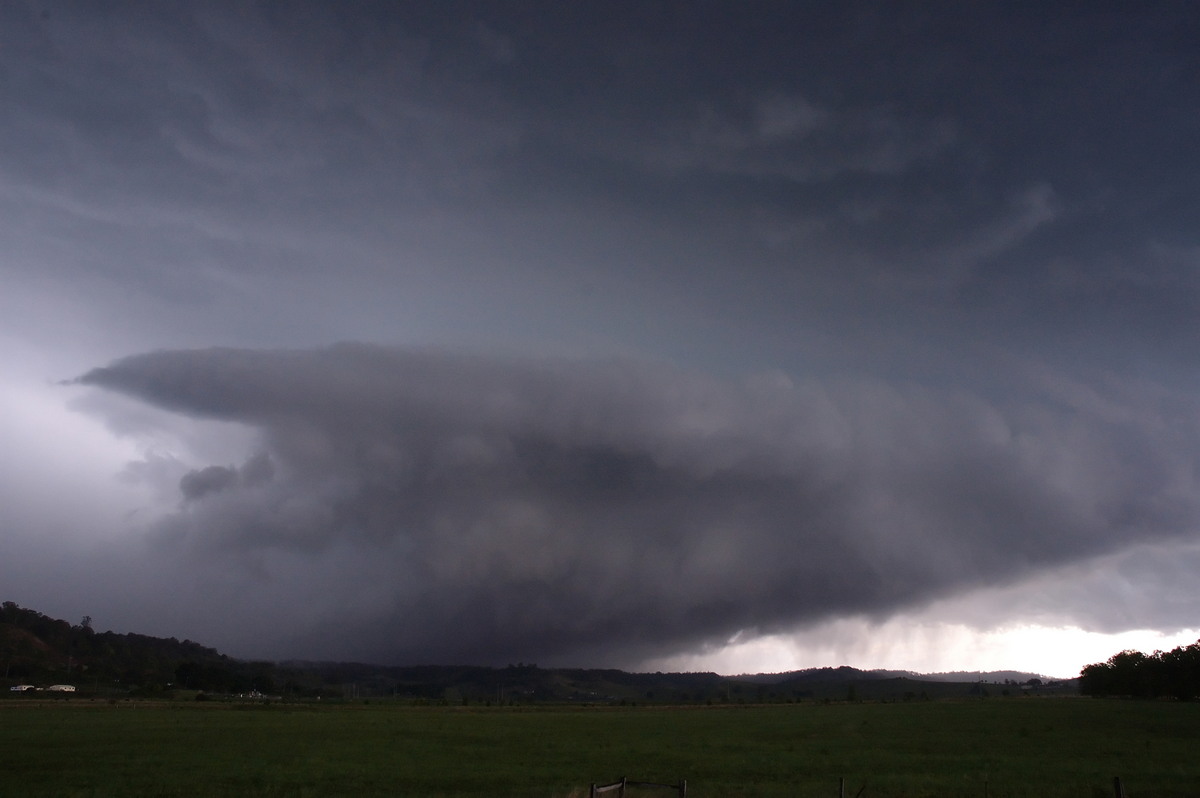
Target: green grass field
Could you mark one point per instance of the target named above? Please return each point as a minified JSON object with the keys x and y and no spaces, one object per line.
{"x":998,"y":747}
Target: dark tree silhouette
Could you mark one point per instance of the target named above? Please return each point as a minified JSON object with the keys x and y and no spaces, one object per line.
{"x":1174,"y":673}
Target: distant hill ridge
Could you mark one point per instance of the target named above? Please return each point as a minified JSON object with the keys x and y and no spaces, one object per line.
{"x":845,"y":671}
{"x":39,"y":650}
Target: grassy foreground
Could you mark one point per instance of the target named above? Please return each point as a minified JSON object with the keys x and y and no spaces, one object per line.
{"x":992,"y":747}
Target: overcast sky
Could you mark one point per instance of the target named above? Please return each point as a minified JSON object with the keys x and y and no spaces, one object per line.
{"x":652,"y":335}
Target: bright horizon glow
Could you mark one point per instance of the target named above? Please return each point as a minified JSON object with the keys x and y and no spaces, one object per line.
{"x":924,"y":646}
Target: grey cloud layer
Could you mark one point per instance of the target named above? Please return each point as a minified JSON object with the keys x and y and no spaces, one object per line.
{"x":934,"y":194}
{"x":556,"y":509}
{"x":1020,"y":161}
{"x":786,"y":189}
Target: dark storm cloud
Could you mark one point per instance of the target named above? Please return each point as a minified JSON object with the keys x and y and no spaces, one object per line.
{"x":197,"y":483}
{"x":563,"y":509}
{"x":887,"y":170}
{"x":936,"y":195}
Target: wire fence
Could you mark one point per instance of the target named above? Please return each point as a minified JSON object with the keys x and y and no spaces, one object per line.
{"x":624,"y":783}
{"x":681,"y":788}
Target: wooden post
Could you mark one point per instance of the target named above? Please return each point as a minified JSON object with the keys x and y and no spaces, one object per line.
{"x":592,"y":792}
{"x":621,"y":792}
{"x":683,"y":788}
{"x":1118,"y":790}
{"x":842,"y":787}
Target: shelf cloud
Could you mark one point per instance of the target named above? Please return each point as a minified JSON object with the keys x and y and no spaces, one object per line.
{"x":566,"y":508}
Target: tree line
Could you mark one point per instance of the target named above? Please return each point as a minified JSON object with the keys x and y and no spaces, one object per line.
{"x":1163,"y":674}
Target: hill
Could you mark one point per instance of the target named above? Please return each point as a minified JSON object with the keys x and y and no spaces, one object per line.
{"x":38,"y":650}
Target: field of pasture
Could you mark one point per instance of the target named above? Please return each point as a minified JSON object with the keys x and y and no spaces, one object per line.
{"x":990,"y":747}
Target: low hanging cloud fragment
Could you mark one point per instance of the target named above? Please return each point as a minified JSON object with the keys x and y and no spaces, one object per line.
{"x":588,"y":511}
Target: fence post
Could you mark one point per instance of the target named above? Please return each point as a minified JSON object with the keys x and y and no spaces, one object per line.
{"x":1118,"y":790}
{"x":683,"y":788}
{"x":842,"y":787}
{"x":592,"y":791}
{"x":621,"y":792}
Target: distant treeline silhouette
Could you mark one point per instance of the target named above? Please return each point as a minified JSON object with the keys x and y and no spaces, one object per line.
{"x":38,"y":650}
{"x":1163,"y":674}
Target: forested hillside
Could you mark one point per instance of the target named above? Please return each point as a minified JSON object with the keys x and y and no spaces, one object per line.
{"x":37,"y":649}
